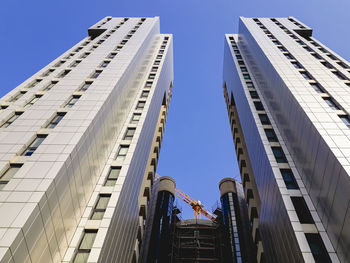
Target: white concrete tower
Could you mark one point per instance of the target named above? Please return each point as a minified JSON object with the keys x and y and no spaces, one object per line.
{"x":79,"y":144}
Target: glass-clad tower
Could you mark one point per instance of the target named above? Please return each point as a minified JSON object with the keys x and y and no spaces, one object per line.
{"x":288,"y":99}
{"x":79,"y":144}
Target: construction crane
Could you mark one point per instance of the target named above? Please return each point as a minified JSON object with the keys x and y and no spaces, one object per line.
{"x":198,"y":208}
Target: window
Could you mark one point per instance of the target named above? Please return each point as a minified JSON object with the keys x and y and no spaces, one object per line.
{"x":53,"y":123}
{"x":250,"y":85}
{"x":289,"y":56}
{"x":50,"y":85}
{"x":271,"y":136}
{"x":302,"y":210}
{"x":318,"y":249}
{"x":306,"y":75}
{"x":308,"y":48}
{"x":85,"y":86}
{"x":254,"y":94}
{"x":63,"y":73}
{"x":48,"y":72}
{"x":157,"y":62}
{"x":96,"y":74}
{"x":8,"y":174}
{"x":85,"y":246}
{"x":279,"y":154}
{"x":342,"y":64}
{"x":339,"y":75}
{"x":144,"y":94}
{"x":104,"y":64}
{"x":282,"y":49}
{"x":32,"y":101}
{"x":129,"y":133}
{"x":140,"y":105}
{"x":327,"y":65}
{"x":75,"y":63}
{"x":244,"y":69}
{"x":100,"y":207}
{"x":69,"y":56}
{"x":289,"y":179}
{"x":151,"y":76}
{"x":3,"y":107}
{"x":33,"y":84}
{"x":246,"y":76}
{"x":135,"y":118}
{"x":316,"y":87}
{"x":332,"y":57}
{"x":84,"y":55}
{"x":112,"y":176}
{"x":17,"y":96}
{"x":316,"y":55}
{"x":34,"y":145}
{"x":72,"y":101}
{"x":276,"y":42}
{"x":59,"y":63}
{"x":11,"y":119}
{"x":148,"y":84}
{"x":154,"y":69}
{"x":258,"y":106}
{"x":78,"y":49}
{"x":264,"y":119}
{"x":297,"y":65}
{"x":123,"y":150}
{"x":323,"y":50}
{"x":345,"y":119}
{"x":331,"y":103}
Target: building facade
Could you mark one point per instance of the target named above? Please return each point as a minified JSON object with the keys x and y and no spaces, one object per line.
{"x":288,"y":99}
{"x":79,"y":144}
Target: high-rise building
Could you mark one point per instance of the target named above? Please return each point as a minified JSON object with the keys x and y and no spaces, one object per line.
{"x":288,"y":99}
{"x":79,"y":144}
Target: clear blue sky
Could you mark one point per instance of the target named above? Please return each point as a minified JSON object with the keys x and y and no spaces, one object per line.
{"x":197,"y":148}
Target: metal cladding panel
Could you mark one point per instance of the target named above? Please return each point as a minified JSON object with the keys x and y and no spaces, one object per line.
{"x":274,"y":225}
{"x":121,"y":236}
{"x":313,"y":150}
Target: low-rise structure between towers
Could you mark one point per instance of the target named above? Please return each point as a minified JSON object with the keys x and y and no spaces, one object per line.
{"x":288,"y":99}
{"x":79,"y":145}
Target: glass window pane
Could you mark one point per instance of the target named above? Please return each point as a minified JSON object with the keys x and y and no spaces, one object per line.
{"x":37,"y":142}
{"x":88,"y":240}
{"x":114,"y":173}
{"x":102,"y":202}
{"x":110,"y":182}
{"x":9,"y":173}
{"x":81,"y":257}
{"x":97,"y":215}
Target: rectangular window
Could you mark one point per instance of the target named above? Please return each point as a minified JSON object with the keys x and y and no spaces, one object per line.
{"x":100,"y":207}
{"x":123,"y":150}
{"x":317,"y":87}
{"x":279,"y":154}
{"x":306,"y":75}
{"x":12,"y":119}
{"x":75,"y":63}
{"x":244,"y":69}
{"x":34,"y":83}
{"x":323,"y":50}
{"x":140,"y":105}
{"x":53,"y":123}
{"x":151,"y":76}
{"x":308,"y":48}
{"x":8,"y":174}
{"x":32,"y":101}
{"x":84,"y":55}
{"x":246,"y":76}
{"x":17,"y":96}
{"x":154,"y":69}
{"x":258,"y":106}
{"x":339,"y":75}
{"x":129,"y":133}
{"x":148,"y":84}
{"x":72,"y":101}
{"x":345,"y":119}
{"x":59,"y":63}
{"x":48,"y":72}
{"x":104,"y":64}
{"x":50,"y":85}
{"x":112,"y":176}
{"x":157,"y":62}
{"x":316,"y":55}
{"x":144,"y":94}
{"x":282,"y":49}
{"x":271,"y":135}
{"x":302,"y":210}
{"x":250,"y":85}
{"x":85,"y":246}
{"x":289,"y":56}
{"x":318,"y":249}
{"x":342,"y":64}
{"x":96,"y":74}
{"x":331,"y":103}
{"x":34,"y":145}
{"x":297,"y":65}
{"x":289,"y":179}
{"x":135,"y":118}
{"x":85,"y":86}
{"x":63,"y":73}
{"x":254,"y":94}
{"x":332,"y":57}
{"x":264,"y":119}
